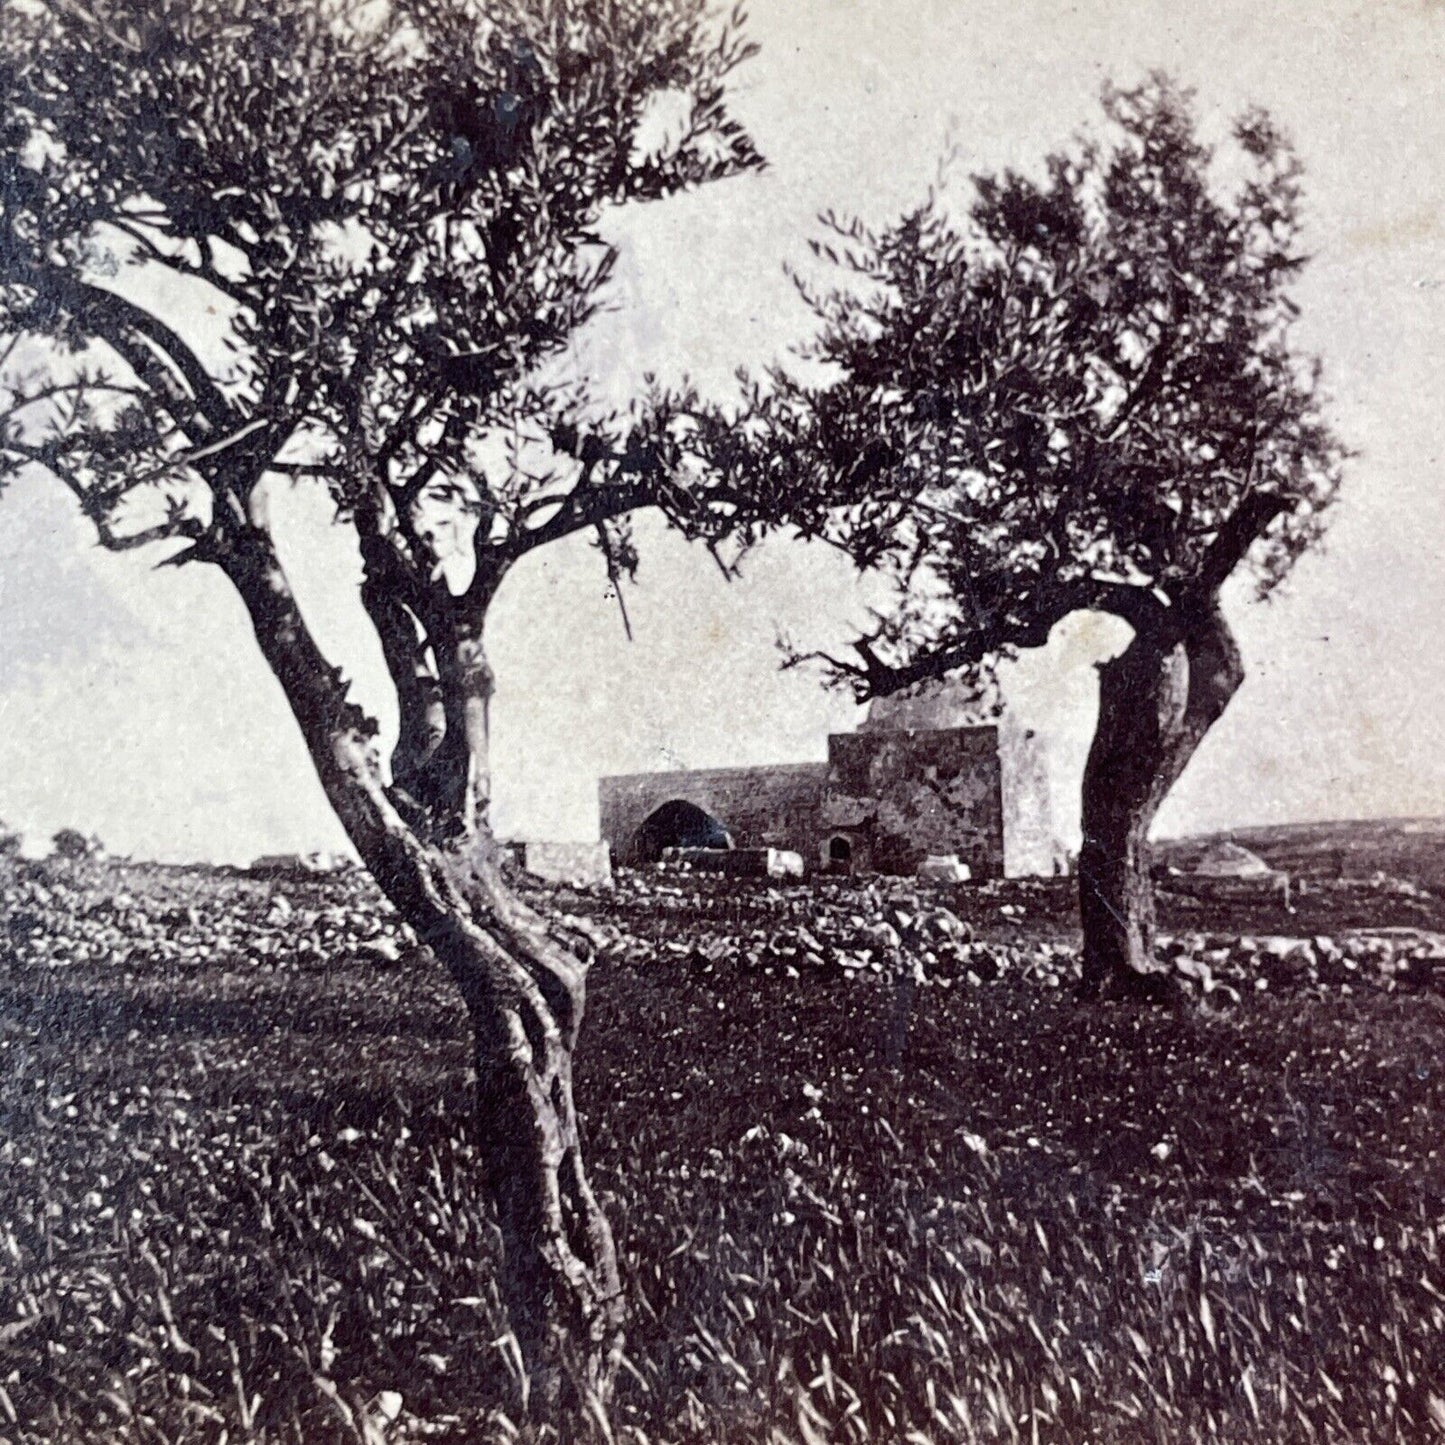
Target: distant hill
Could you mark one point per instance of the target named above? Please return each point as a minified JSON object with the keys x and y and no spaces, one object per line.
{"x":1409,"y":848}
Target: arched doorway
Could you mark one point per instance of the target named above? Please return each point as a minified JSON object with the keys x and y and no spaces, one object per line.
{"x":679,"y":824}
{"x":840,"y":854}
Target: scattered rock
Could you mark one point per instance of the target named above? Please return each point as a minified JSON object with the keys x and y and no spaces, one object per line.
{"x":677,"y":916}
{"x":383,"y":951}
{"x":1196,"y":971}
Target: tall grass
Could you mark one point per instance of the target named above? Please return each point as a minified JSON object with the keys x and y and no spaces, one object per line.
{"x":238,"y":1199}
{"x":173,"y":1276}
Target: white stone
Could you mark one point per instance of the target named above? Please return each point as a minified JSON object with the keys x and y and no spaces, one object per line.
{"x":943,"y":868}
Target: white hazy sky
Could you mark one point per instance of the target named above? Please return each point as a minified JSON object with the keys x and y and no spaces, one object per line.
{"x":133,"y":703}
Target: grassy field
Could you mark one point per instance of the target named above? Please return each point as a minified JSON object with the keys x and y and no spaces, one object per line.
{"x":866,"y":1189}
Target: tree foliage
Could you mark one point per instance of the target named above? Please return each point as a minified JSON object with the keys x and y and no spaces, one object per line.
{"x":340,"y":239}
{"x":1081,"y":394}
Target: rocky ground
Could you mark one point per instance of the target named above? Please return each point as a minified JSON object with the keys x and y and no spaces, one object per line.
{"x":875,"y":1174}
{"x":942,"y":936}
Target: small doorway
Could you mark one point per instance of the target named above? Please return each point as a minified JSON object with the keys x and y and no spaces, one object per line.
{"x":840,"y":855}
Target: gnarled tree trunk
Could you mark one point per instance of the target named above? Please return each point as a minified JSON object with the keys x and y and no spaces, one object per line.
{"x":1157,"y":700}
{"x":524,"y":997}
{"x":429,"y":847}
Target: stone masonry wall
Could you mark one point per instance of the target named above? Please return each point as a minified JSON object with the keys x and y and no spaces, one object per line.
{"x":766,"y":807}
{"x":894,"y":795}
{"x":899,"y":796}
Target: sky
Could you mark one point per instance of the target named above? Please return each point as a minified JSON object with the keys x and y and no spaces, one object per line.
{"x":133,"y":703}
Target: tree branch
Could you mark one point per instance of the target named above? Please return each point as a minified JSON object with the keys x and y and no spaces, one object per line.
{"x":585,"y":506}
{"x":198,"y":454}
{"x":875,"y":677}
{"x":190,"y":529}
{"x":1236,"y":535}
{"x":120,"y":322}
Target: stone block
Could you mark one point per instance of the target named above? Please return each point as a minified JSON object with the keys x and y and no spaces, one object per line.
{"x":943,"y":868}
{"x":276,"y":865}
{"x":739,"y":862}
{"x":578,"y":865}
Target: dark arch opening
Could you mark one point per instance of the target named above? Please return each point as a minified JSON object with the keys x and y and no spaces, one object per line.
{"x":679,"y":825}
{"x":840,"y":855}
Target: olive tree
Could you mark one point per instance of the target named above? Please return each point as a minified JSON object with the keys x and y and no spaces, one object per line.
{"x":1080,"y":394}
{"x":344,"y":242}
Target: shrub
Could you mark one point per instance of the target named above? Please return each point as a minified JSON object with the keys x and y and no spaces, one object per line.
{"x":71,"y":843}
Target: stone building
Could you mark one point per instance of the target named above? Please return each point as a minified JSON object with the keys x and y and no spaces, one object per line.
{"x":920,"y":777}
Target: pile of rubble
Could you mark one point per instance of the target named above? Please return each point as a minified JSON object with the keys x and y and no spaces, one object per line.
{"x":833,"y":928}
{"x":141,"y":919}
{"x":841,"y":929}
{"x":1380,"y":959}
{"x":931,"y":945}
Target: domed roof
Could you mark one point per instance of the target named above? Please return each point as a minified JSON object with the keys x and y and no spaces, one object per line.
{"x":928,"y":706}
{"x":1227,"y":859}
